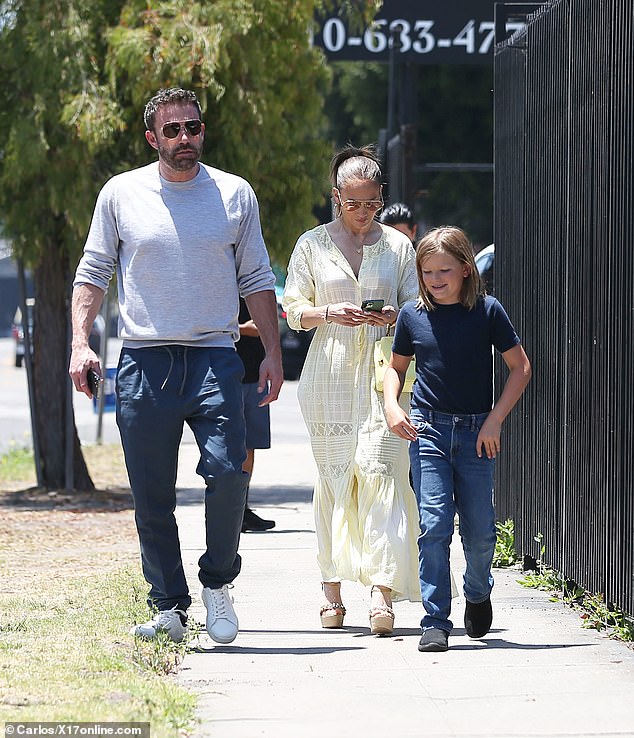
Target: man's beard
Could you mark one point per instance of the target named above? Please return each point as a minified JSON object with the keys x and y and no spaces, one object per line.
{"x":178,"y":163}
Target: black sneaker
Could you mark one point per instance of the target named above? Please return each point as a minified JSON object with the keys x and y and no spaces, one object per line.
{"x":254,"y":523}
{"x":478,"y":618}
{"x":434,"y":639}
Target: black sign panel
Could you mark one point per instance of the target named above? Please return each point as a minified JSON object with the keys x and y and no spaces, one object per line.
{"x":423,"y":31}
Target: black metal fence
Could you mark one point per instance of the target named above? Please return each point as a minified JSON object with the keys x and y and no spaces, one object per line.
{"x":564,"y":234}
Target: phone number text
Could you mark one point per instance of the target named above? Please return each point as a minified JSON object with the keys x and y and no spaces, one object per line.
{"x":417,"y":36}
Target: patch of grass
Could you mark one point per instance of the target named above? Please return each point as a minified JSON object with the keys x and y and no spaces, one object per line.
{"x":68,"y":598}
{"x":17,"y":465}
{"x":65,"y":655}
{"x":105,"y":464}
{"x":505,"y":554}
{"x":593,"y":609}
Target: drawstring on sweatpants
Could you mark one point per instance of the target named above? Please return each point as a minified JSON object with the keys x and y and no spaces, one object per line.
{"x":169,"y":371}
{"x":182,"y":388}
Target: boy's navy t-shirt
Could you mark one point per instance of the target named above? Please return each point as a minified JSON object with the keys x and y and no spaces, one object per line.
{"x":454,"y":360}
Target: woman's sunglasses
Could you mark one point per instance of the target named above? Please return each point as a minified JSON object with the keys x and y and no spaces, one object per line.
{"x":350,"y":205}
{"x":173,"y":129}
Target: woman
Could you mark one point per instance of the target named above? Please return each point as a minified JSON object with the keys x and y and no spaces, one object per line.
{"x":365,"y":510}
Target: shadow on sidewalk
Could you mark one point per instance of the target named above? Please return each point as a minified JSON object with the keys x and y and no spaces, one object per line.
{"x":113,"y":499}
{"x":488,"y":642}
{"x":500,"y":643}
{"x":330,"y":632}
{"x":309,"y":651}
{"x":278,"y":531}
{"x":258,"y":495}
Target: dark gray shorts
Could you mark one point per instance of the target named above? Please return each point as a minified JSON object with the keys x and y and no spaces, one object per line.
{"x":257,"y":419}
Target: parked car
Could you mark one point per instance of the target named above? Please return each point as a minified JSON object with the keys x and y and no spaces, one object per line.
{"x":17,"y":331}
{"x":485,"y":262}
{"x":294,"y":344}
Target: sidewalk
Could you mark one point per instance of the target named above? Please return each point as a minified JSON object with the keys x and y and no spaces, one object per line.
{"x":538,"y":673}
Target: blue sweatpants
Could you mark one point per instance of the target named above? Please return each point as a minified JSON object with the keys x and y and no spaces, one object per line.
{"x":158,"y":390}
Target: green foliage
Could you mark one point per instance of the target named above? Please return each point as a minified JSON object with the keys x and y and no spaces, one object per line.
{"x":546,"y":579}
{"x":357,"y":104}
{"x":602,"y":616}
{"x":261,"y":88}
{"x":51,"y":55}
{"x":82,"y":70}
{"x":594,"y":611}
{"x":505,"y":554}
{"x":543,"y":578}
{"x":161,"y":655}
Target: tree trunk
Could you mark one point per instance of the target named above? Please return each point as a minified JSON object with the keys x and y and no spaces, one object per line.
{"x":50,"y":371}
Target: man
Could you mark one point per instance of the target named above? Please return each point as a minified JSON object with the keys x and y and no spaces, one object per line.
{"x":399,"y":216}
{"x":256,"y":416}
{"x":185,"y":241}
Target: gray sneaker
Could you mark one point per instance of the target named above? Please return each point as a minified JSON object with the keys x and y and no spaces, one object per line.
{"x":222,"y":621}
{"x":434,"y":639}
{"x":173,"y":622}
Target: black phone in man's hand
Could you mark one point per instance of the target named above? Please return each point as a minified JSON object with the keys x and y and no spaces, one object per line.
{"x":95,"y":381}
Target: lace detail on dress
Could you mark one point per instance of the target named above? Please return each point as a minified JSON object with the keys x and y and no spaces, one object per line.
{"x":303,"y":267}
{"x":325,"y":240}
{"x":333,"y":471}
{"x":381,"y":468}
{"x":330,"y":429}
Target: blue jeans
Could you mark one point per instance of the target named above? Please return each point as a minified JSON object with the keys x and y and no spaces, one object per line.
{"x":158,"y":390}
{"x":448,"y":476}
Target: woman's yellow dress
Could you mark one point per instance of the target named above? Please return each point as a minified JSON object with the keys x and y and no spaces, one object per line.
{"x":366,"y":515}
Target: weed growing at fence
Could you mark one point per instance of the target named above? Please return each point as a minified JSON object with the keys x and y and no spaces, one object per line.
{"x":505,"y":554}
{"x":593,"y":609}
{"x":602,"y":616}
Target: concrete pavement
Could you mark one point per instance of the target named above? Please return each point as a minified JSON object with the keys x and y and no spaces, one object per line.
{"x":538,"y":673}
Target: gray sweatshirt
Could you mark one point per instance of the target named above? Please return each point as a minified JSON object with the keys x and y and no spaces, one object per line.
{"x":183,"y":252}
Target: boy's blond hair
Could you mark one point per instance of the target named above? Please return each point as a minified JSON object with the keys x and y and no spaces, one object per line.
{"x":454,"y":242}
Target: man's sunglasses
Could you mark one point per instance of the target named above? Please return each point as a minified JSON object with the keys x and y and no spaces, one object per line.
{"x":173,"y":129}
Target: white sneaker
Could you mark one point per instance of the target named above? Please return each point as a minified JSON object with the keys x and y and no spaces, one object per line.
{"x":222,"y":621}
{"x":165,"y":621}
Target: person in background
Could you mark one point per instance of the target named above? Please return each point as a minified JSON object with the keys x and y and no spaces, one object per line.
{"x":256,"y":416}
{"x":186,"y":242}
{"x":399,"y":216}
{"x":365,"y":510}
{"x":453,"y":425}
